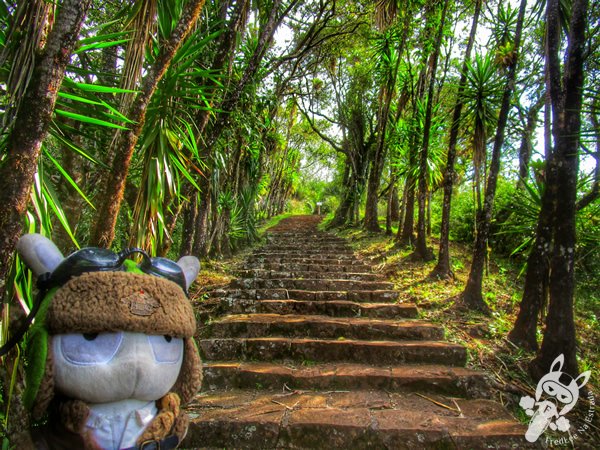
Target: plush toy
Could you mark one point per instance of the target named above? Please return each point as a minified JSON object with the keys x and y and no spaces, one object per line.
{"x":110,"y":358}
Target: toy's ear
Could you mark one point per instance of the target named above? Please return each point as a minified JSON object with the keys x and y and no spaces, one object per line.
{"x":583,"y":378}
{"x":39,"y":253}
{"x":557,"y":364}
{"x":191,"y":268}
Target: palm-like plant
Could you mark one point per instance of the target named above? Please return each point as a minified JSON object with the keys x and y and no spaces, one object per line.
{"x":481,"y":99}
{"x":168,"y":155}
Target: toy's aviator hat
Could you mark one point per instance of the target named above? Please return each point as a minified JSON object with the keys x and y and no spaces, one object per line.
{"x":97,"y":291}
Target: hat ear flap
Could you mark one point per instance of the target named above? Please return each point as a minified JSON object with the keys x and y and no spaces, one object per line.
{"x":39,"y":374}
{"x":190,"y":376}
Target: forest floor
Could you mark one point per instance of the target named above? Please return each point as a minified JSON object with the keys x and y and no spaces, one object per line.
{"x":484,"y":336}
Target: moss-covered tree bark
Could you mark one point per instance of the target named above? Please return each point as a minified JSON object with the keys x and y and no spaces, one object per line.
{"x":31,"y":126}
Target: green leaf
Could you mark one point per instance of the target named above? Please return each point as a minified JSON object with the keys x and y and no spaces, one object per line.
{"x":55,"y":132}
{"x":52,"y":200}
{"x":99,"y":45}
{"x":95,"y":87}
{"x":183,"y":170}
{"x":87,"y":119}
{"x":68,"y":178}
{"x":103,"y":37}
{"x":78,"y":99}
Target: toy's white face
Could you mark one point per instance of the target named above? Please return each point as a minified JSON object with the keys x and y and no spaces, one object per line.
{"x":108,"y":367}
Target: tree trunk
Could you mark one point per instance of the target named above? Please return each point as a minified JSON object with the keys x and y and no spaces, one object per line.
{"x":201,"y":236}
{"x":112,"y":192}
{"x":423,"y":252}
{"x":535,"y":291}
{"x":395,"y":205}
{"x":389,"y":217}
{"x":17,"y":174}
{"x":188,"y":231}
{"x":443,"y":268}
{"x":406,"y":234}
{"x":559,"y":335}
{"x":526,"y":147}
{"x":31,"y":126}
{"x":472,"y":295}
{"x":371,"y":221}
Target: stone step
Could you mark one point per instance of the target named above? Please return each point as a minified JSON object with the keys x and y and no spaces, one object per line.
{"x":299,"y":256}
{"x":308,"y":284}
{"x":308,"y":241}
{"x":311,"y":246}
{"x":303,"y":237}
{"x":334,"y":308}
{"x":264,"y":274}
{"x":353,"y":420}
{"x":339,"y":350}
{"x":298,"y":294}
{"x":456,"y":381}
{"x":323,"y":327}
{"x":309,"y":267}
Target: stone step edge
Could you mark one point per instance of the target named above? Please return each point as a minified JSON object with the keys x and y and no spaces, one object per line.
{"x":268,"y":318}
{"x":322,"y":327}
{"x":441,"y":379}
{"x":362,"y":296}
{"x":341,"y":308}
{"x":349,"y":420}
{"x":338,"y":350}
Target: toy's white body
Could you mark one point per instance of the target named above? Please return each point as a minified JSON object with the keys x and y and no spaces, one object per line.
{"x":119,"y":424}
{"x":120,"y":376}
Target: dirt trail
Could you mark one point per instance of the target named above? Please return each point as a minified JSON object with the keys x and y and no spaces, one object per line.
{"x":313,"y":350}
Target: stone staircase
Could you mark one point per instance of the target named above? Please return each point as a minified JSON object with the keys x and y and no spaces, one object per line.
{"x":314,"y":351}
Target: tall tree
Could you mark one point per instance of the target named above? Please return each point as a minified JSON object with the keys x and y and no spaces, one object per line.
{"x":389,"y":54}
{"x":442,"y":268}
{"x":472,"y":294}
{"x":566,"y":89}
{"x":18,"y":168}
{"x":421,"y":249}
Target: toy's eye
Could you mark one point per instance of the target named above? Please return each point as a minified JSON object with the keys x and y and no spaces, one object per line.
{"x":166,"y":349}
{"x":90,"y":348}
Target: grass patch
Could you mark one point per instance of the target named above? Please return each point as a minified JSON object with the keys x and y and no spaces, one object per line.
{"x":272,"y":222}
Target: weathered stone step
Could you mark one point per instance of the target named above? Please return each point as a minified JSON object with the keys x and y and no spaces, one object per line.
{"x":353,"y":420}
{"x":264,"y":273}
{"x":311,"y":247}
{"x":304,"y":235}
{"x":456,"y":381}
{"x":310,"y":284}
{"x":323,"y":327}
{"x":306,"y":252}
{"x":334,"y":308}
{"x":304,"y":255}
{"x":298,"y":294}
{"x":340,"y":350}
{"x":308,"y":267}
